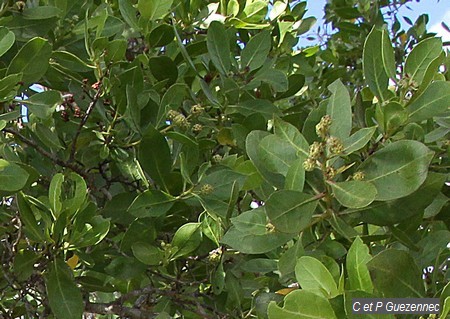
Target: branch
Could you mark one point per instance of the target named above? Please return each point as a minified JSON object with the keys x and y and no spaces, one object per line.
{"x":84,"y":120}
{"x":115,"y":309}
{"x":72,"y":166}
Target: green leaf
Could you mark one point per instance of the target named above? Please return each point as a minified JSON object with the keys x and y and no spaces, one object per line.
{"x":354,"y":194}
{"x":358,"y":139}
{"x":256,"y":51}
{"x":12,"y":176}
{"x":24,"y":261}
{"x":295,"y":177}
{"x":356,"y":263}
{"x":252,"y":142}
{"x":64,"y":296}
{"x":8,"y":87}
{"x":398,"y":169}
{"x":54,"y":193}
{"x":80,"y":193}
{"x":432,"y":247}
{"x":251,"y":107}
{"x":163,"y":68}
{"x":32,"y":228}
{"x":154,"y":156}
{"x":151,"y":203}
{"x":7,"y":39}
{"x":434,"y":101}
{"x":31,"y":60}
{"x":377,"y":77}
{"x":43,"y":104}
{"x":161,"y":36}
{"x":41,"y":13}
{"x":47,"y":136}
{"x":147,"y":254}
{"x":276,"y":154}
{"x":128,"y":13}
{"x":395,"y":211}
{"x":155,"y":9}
{"x":302,"y":304}
{"x":255,"y":244}
{"x":250,"y":234}
{"x":313,"y":276}
{"x":186,"y":239}
{"x":396,"y":275}
{"x":290,"y":211}
{"x":421,"y":57}
{"x":340,"y":110}
{"x":219,"y":47}
{"x":290,"y":133}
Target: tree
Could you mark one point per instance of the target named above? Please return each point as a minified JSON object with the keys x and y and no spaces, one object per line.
{"x":186,"y":158}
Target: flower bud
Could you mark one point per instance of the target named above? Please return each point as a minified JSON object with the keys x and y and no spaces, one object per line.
{"x":315,"y":150}
{"x":359,"y":176}
{"x":197,"y":128}
{"x":217,"y":158}
{"x":323,"y":128}
{"x":270,"y":228}
{"x":309,"y":164}
{"x":330,"y":173}
{"x":206,"y":189}
{"x":335,"y":145}
{"x":196,"y":109}
{"x":172,"y":114}
{"x":215,"y":255}
{"x":180,"y":121}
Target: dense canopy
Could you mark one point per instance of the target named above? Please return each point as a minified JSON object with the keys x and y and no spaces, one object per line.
{"x":220,"y":159}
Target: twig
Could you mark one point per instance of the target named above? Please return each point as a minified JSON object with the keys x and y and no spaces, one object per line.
{"x":72,"y":166}
{"x":83,"y":121}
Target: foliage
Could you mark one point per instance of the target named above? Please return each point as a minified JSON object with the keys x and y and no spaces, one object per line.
{"x":186,"y":159}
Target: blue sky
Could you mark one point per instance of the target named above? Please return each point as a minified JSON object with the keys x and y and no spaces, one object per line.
{"x":438,"y":11}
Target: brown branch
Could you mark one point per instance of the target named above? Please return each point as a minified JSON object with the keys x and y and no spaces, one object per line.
{"x":116,"y":309}
{"x":72,"y":166}
{"x":83,"y":121}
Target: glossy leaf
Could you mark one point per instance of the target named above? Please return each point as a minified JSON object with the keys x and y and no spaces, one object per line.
{"x":7,"y":39}
{"x":256,"y":51}
{"x":43,"y":104}
{"x":302,"y":304}
{"x":358,"y":139}
{"x":154,"y":10}
{"x":63,"y":294}
{"x":147,"y":254}
{"x":290,"y":133}
{"x":398,"y":169}
{"x":276,"y":154}
{"x":12,"y":176}
{"x":374,"y":62}
{"x":219,"y":47}
{"x":54,"y":193}
{"x":434,"y":101}
{"x":356,"y":264}
{"x":154,"y":156}
{"x":290,"y":211}
{"x":151,"y":203}
{"x":421,"y":57}
{"x":396,"y":275}
{"x":402,"y":209}
{"x":186,"y":239}
{"x":313,"y":276}
{"x":354,"y":194}
{"x":32,"y":60}
{"x":340,"y":110}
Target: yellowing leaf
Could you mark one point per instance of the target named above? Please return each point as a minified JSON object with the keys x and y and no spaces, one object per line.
{"x":73,"y":261}
{"x":285,"y":291}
